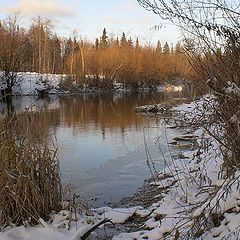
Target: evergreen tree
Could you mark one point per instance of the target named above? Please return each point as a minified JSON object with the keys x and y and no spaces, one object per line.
{"x":116,"y":42}
{"x":137,"y":43}
{"x":166,"y":49}
{"x":104,"y":41}
{"x":130,"y":42}
{"x":66,"y":52}
{"x":96,"y":44}
{"x":123,"y":42}
{"x":56,"y":58}
{"x":159,"y":47}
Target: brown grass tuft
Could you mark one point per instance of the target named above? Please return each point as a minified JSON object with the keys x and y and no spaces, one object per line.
{"x":30,"y":185}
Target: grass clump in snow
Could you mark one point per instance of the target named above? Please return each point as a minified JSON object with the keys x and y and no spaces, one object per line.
{"x":30,"y":185}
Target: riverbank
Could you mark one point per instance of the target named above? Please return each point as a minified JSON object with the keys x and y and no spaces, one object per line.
{"x":197,"y":200}
{"x":33,"y":84}
{"x":186,"y":199}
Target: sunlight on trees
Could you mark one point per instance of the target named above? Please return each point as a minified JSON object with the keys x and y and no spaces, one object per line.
{"x":124,"y":59}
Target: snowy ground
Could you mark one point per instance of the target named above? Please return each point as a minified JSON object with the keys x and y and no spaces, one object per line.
{"x":196,"y":201}
{"x":30,"y":83}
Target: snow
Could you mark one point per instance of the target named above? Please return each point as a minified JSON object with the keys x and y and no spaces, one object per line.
{"x":154,"y":234}
{"x":232,"y":88}
{"x":120,"y":215}
{"x":29,"y":83}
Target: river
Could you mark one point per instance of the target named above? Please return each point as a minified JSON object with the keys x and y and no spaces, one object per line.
{"x":101,"y":141}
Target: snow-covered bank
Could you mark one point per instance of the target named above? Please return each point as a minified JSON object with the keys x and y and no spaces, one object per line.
{"x":191,"y":200}
{"x":199,"y":202}
{"x":32,"y":83}
{"x":70,"y":225}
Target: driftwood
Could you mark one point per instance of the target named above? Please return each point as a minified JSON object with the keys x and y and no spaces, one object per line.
{"x":188,"y":138}
{"x":86,"y":235}
{"x":155,"y":108}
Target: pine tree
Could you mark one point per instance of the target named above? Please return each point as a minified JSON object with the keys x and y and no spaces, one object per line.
{"x":130,"y":42}
{"x":96,"y":44}
{"x":56,"y":56}
{"x":104,"y":41}
{"x":123,"y":42}
{"x":137,"y":43}
{"x":166,"y":49}
{"x":159,"y":47}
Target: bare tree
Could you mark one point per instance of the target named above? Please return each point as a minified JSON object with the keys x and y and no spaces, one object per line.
{"x":211,"y":29}
{"x":12,"y":51}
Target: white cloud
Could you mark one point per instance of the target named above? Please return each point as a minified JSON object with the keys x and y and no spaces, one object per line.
{"x":50,"y":8}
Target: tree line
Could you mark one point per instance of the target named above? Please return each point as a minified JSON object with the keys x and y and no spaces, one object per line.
{"x":38,"y":49}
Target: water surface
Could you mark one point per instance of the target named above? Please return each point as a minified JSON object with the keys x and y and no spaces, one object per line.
{"x":101,"y":140}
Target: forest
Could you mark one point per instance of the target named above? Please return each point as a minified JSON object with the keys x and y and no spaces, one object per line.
{"x":122,"y":59}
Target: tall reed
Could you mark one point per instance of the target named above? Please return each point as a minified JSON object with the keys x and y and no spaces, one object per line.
{"x":30,"y":185}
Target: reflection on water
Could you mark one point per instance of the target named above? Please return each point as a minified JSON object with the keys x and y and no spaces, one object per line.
{"x":100,"y":140}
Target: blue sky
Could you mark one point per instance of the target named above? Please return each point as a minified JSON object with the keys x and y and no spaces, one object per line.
{"x":89,"y":17}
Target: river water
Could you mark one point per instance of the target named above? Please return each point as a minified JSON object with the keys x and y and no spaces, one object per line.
{"x":101,"y":141}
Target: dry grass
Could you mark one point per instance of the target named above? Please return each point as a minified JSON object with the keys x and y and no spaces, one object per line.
{"x":30,"y":184}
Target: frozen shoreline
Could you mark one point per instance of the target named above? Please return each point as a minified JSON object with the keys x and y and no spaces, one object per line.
{"x":34,"y":84}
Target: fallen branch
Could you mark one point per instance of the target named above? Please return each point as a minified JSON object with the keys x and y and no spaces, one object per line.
{"x":85,"y":235}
